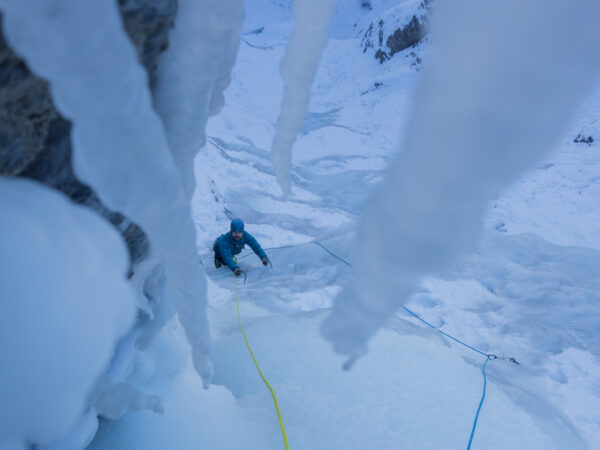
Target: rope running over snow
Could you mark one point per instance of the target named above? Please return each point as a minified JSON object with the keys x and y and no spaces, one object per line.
{"x":237,"y":301}
{"x":488,"y":356}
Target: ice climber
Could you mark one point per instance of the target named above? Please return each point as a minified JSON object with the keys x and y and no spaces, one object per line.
{"x":230,"y":244}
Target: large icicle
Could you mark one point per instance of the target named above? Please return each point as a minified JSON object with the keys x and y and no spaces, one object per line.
{"x":500,"y":86}
{"x":194,"y":72}
{"x":298,"y":70}
{"x":119,"y":144}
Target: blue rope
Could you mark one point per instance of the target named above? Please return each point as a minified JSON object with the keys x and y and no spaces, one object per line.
{"x":488,"y":356}
{"x":269,"y":248}
{"x":333,"y":254}
{"x":480,"y":403}
{"x":408,"y":310}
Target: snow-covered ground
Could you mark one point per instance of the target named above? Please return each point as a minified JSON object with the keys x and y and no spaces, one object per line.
{"x":530,"y":291}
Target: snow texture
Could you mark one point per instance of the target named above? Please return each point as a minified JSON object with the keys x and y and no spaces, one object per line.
{"x":81,"y":49}
{"x":298,"y":69}
{"x":194,"y":72}
{"x":483,"y":114}
{"x":59,"y":323}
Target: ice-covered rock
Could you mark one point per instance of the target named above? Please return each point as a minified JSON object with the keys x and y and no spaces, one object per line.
{"x":37,"y":138}
{"x":148,"y":23}
{"x":81,"y":48}
{"x":393,"y":28}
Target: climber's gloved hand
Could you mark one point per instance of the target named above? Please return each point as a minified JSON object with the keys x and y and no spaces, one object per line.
{"x":265,"y":261}
{"x":237,"y":272}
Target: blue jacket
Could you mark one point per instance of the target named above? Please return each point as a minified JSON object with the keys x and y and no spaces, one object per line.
{"x":226,"y":247}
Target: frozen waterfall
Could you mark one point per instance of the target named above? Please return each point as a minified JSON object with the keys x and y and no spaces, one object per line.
{"x":119,"y":144}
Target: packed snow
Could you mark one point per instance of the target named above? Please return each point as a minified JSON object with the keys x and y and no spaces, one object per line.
{"x":527,"y":289}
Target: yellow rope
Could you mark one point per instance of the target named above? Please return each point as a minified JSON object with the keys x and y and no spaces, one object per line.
{"x":237,"y":301}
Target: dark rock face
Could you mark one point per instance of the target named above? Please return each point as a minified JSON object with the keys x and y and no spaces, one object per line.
{"x":147,"y":23}
{"x":401,"y":38}
{"x":406,"y":37}
{"x":26,"y":111}
{"x":581,"y":139}
{"x":52,"y":166}
{"x":35,"y":140}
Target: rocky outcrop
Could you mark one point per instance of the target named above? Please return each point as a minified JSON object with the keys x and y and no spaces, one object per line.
{"x":26,"y":112}
{"x":35,"y":139}
{"x":582,"y":139}
{"x":147,"y":23}
{"x":407,"y":36}
{"x":395,"y":31}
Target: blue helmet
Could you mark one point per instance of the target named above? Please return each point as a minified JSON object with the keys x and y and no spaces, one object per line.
{"x":237,"y":225}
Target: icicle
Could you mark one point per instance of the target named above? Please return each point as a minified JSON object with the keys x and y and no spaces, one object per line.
{"x":496,"y":94}
{"x":119,"y":145}
{"x":194,"y":72}
{"x":298,"y":70}
{"x":112,"y":400}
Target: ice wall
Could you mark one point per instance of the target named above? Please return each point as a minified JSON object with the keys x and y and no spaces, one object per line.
{"x":499,"y":87}
{"x":59,"y":323}
{"x":298,"y":70}
{"x":119,"y":144}
{"x":194,"y":72}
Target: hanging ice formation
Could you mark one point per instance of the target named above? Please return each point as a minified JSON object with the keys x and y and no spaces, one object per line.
{"x":119,"y":145}
{"x":495,"y":95}
{"x":298,"y":68}
{"x":193,"y":73}
{"x":49,"y":364}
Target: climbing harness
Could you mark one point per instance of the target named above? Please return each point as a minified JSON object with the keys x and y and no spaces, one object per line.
{"x":488,"y":356}
{"x":237,"y":301}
